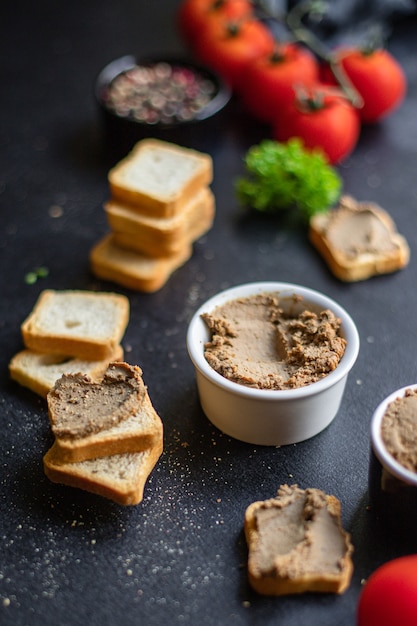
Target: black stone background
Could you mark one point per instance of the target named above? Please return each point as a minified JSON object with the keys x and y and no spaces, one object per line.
{"x":68,"y":557}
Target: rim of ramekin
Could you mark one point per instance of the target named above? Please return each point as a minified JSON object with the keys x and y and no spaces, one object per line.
{"x":378,"y":446}
{"x":126,"y":62}
{"x":197,"y":335}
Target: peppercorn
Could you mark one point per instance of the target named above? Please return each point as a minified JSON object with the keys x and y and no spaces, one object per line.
{"x":159,"y":94}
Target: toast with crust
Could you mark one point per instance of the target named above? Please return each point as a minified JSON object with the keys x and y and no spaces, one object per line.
{"x":289,"y":538}
{"x":120,"y":477}
{"x":134,"y":270}
{"x":371,"y":246}
{"x":92,"y":419}
{"x":160,"y":237}
{"x":84,"y":324}
{"x":39,"y":372}
{"x":116,"y":458}
{"x":158,"y":178}
{"x":140,"y":431}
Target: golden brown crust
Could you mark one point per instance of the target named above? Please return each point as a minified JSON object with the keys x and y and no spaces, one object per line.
{"x":51,"y":339}
{"x":163,"y":204}
{"x":271,"y":583}
{"x":114,"y":463}
{"x":161,"y":238}
{"x":364,"y":264}
{"x":79,"y":406}
{"x":136,"y":435}
{"x":160,"y":203}
{"x":111,"y":415}
{"x":133,"y":270}
{"x":39,"y":372}
{"x":83,"y":476}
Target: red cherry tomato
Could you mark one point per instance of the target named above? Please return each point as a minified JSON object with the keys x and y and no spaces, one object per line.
{"x":389,"y":596}
{"x":228,"y":48}
{"x":270,"y":79}
{"x":194,"y":15}
{"x":325,"y":120}
{"x":377,"y":77}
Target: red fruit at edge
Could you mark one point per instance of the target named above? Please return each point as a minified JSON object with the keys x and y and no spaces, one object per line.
{"x":270,"y":79}
{"x":389,"y":596}
{"x":377,"y":77}
{"x":228,"y":48}
{"x":332,"y":125}
{"x":194,"y":15}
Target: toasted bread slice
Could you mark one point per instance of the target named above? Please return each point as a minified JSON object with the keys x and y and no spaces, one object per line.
{"x":140,"y":431}
{"x":158,"y":178}
{"x":131,"y":269}
{"x":160,"y":237}
{"x":85,"y":324}
{"x":92,"y":419}
{"x":39,"y":372}
{"x":358,"y":240}
{"x":120,"y":477}
{"x":296,"y":544}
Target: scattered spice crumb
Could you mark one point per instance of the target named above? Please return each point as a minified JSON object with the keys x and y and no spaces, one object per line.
{"x":56,"y":211}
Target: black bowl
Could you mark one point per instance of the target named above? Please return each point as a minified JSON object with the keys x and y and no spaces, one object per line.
{"x":123,"y":129}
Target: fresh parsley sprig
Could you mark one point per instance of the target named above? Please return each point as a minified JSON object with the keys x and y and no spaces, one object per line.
{"x":282,"y":176}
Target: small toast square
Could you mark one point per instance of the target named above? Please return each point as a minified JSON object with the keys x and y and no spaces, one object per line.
{"x":120,"y":477}
{"x":95,"y":418}
{"x":85,"y":324}
{"x":358,"y":240}
{"x":157,"y":178}
{"x":108,"y":436}
{"x":297,"y":544}
{"x":134,"y":270}
{"x":39,"y":371}
{"x":160,"y":237}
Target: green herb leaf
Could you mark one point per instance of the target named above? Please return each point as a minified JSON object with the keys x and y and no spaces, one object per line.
{"x":39,"y":272}
{"x":42,"y":272}
{"x":287,"y":176}
{"x":31,"y":278}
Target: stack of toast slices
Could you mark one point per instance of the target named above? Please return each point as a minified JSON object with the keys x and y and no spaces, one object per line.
{"x":160,"y":204}
{"x":107,"y":434}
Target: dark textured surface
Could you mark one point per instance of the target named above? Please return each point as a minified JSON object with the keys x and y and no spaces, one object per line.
{"x":179,"y":557}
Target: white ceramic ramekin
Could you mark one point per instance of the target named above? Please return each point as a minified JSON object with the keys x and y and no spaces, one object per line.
{"x":270,"y":417}
{"x":392,"y":487}
{"x":392,"y":468}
